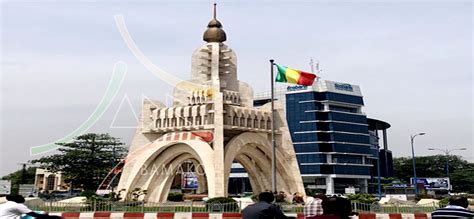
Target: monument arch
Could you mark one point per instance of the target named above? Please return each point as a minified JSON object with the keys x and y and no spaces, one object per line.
{"x":211,"y":123}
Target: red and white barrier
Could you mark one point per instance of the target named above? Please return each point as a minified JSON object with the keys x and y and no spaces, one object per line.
{"x":205,"y":215}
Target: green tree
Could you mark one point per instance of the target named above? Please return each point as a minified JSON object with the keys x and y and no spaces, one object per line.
{"x":461,"y":171}
{"x":463,"y":180}
{"x":16,"y":178}
{"x":86,"y":160}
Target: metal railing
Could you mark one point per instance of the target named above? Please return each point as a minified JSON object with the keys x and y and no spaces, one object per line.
{"x":395,"y":208}
{"x":199,"y":206}
{"x":108,"y":206}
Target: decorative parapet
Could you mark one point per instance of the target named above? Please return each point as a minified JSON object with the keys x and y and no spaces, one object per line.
{"x":231,"y":97}
{"x":204,"y":96}
{"x":199,"y":97}
{"x":179,"y":118}
{"x":202,"y":116}
{"x":244,"y":118}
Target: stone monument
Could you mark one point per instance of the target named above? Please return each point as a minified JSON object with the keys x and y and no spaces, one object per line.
{"x":212,"y":123}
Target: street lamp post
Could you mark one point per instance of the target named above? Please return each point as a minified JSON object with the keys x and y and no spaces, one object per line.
{"x":412,"y":139}
{"x":447,"y":153}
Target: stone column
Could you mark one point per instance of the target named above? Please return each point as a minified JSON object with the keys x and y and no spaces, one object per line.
{"x":329,"y":185}
{"x":364,"y":187}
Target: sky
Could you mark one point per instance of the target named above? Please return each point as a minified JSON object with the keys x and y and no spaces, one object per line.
{"x":412,"y":60}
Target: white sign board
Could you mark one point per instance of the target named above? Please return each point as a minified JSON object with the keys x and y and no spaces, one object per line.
{"x":103,"y":191}
{"x":26,"y":190}
{"x":5,"y":187}
{"x":398,"y":197}
{"x":350,"y":190}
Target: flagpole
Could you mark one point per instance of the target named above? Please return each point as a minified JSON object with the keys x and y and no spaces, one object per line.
{"x":273,"y":128}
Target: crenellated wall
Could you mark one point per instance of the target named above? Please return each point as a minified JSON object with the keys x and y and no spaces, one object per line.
{"x":201,"y":117}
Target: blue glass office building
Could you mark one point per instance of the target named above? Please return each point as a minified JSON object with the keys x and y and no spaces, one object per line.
{"x":335,"y":145}
{"x":330,"y":135}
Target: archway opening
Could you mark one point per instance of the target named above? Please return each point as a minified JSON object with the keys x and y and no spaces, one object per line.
{"x":164,"y":164}
{"x":253,"y":152}
{"x":189,"y":179}
{"x":239,"y":181}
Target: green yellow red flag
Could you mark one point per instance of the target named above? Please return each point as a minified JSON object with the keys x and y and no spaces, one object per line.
{"x":293,"y":76}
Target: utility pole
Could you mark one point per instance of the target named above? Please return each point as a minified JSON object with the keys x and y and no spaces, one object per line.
{"x":447,"y":152}
{"x":412,"y":140}
{"x":23,"y":175}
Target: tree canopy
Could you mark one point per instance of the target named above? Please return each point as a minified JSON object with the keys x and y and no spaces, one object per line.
{"x":16,"y":178}
{"x":461,"y":171}
{"x":86,"y":160}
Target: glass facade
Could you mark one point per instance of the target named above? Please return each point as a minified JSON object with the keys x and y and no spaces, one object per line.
{"x":329,"y":132}
{"x":335,"y":143}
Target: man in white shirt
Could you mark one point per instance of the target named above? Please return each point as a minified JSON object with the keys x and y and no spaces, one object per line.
{"x":14,"y":209}
{"x":457,"y":208}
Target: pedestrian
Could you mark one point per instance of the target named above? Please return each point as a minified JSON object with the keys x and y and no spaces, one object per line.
{"x":457,"y":208}
{"x":314,"y":206}
{"x":338,"y":207}
{"x":14,"y":209}
{"x":263,"y":209}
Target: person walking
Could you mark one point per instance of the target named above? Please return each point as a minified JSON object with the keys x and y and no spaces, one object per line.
{"x":263,"y":209}
{"x":314,"y":206}
{"x":457,"y":208}
{"x":337,"y":207}
{"x":14,"y":209}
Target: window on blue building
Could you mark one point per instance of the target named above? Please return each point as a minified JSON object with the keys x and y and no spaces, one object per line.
{"x":342,"y":109}
{"x":345,"y":98}
{"x":311,"y":158}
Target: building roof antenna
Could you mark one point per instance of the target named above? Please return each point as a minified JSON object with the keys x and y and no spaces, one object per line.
{"x":311,"y":64}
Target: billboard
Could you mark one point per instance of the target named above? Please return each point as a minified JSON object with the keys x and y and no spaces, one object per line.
{"x":433,"y":183}
{"x":189,"y":180}
{"x":27,"y":190}
{"x":5,"y":187}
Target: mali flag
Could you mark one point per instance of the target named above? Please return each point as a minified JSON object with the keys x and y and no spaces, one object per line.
{"x":294,"y":76}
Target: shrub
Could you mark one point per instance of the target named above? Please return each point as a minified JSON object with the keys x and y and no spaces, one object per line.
{"x":88,"y":193}
{"x":362,"y":198}
{"x":311,"y":192}
{"x":175,"y":196}
{"x":443,"y":202}
{"x":422,"y":196}
{"x":222,"y":204}
{"x":280,"y":197}
{"x":136,"y":194}
{"x":254,"y":197}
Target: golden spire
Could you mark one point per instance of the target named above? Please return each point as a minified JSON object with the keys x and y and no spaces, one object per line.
{"x":214,"y":32}
{"x":215,"y":10}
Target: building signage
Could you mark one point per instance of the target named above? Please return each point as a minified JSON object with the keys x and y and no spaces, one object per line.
{"x":350,"y":190}
{"x":296,"y":88}
{"x":344,"y":87}
{"x":433,"y":183}
{"x":5,"y":187}
{"x":400,"y":185}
